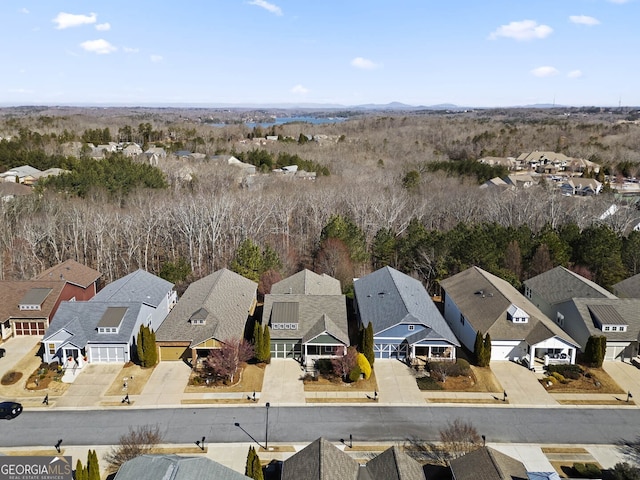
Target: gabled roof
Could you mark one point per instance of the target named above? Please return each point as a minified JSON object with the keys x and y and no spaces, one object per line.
{"x":71,"y":271}
{"x":560,"y":284}
{"x":314,"y":313}
{"x":485,"y":299}
{"x":81,"y":319}
{"x":618,"y":311}
{"x":13,"y":291}
{"x":223,"y":299}
{"x":320,"y":460}
{"x":22,"y":171}
{"x":629,"y":288}
{"x":307,"y":282}
{"x":394,"y":464}
{"x":174,"y":467}
{"x":487,"y":464}
{"x":388,"y":297}
{"x":139,"y":286}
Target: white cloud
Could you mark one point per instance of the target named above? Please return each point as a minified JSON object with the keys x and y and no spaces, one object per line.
{"x":24,"y":10}
{"x":103,"y":27}
{"x":267,"y":6}
{"x":364,"y":63}
{"x":299,"y":90}
{"x":584,"y":20}
{"x":574,"y":74}
{"x":67,"y":20}
{"x":545,"y":71}
{"x":130,"y":50}
{"x":156,"y":58}
{"x":523,"y":30}
{"x":101,"y":46}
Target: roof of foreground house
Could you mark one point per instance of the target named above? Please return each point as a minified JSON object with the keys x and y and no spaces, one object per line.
{"x":138,"y":286}
{"x":387,"y":297}
{"x":320,"y":460}
{"x":13,"y":292}
{"x":71,"y":271}
{"x":223,"y":300}
{"x":487,"y":464}
{"x":394,"y":464}
{"x":604,"y":311}
{"x":485,"y":300}
{"x":629,"y":288}
{"x":307,"y":282}
{"x":561,"y":284}
{"x":175,"y":467}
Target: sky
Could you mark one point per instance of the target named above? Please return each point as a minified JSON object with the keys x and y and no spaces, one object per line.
{"x":473,"y":53}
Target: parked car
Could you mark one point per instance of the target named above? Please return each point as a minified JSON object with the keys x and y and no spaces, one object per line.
{"x":9,"y":410}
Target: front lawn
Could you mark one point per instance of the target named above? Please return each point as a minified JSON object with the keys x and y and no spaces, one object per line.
{"x":458,"y":377}
{"x":249,"y":379}
{"x":579,"y":379}
{"x":333,"y":383}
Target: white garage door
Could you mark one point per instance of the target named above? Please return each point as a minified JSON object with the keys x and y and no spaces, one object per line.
{"x":614,"y":352}
{"x":501,"y":352}
{"x":107,"y":354}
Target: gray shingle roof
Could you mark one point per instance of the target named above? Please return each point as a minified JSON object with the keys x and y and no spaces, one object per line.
{"x":626,"y":309}
{"x":138,"y":286}
{"x":560,"y":284}
{"x":629,"y":288}
{"x":487,"y":464}
{"x":320,"y":460}
{"x":484,"y":299}
{"x":311,"y":310}
{"x":394,"y":464}
{"x":307,"y":282}
{"x":174,"y":467}
{"x":224,"y":296}
{"x":387,"y":297}
{"x":80,"y":320}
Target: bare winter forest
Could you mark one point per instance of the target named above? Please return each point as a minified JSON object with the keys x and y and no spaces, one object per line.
{"x":363,"y":214}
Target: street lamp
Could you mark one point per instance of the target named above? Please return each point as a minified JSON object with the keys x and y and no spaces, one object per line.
{"x":266,"y":432}
{"x":200,"y":443}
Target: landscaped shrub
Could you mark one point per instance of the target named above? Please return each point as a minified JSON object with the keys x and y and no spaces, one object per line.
{"x":558,"y":377}
{"x":587,"y":470}
{"x":355,"y":374}
{"x":428,"y":383}
{"x":324,"y":366}
{"x":364,"y":365}
{"x":460,"y":368}
{"x":463,"y":364}
{"x":10,"y":378}
{"x":549,"y":381}
{"x":573,"y":372}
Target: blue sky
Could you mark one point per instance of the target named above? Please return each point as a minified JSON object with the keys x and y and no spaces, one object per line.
{"x":420,"y":52}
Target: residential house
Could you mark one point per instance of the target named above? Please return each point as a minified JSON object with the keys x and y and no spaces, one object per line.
{"x":155,"y":154}
{"x":27,"y":307}
{"x":51,"y":172}
{"x":406,"y":323}
{"x":508,"y":162}
{"x":477,"y":301}
{"x":11,"y":190}
{"x":581,"y":186}
{"x":487,"y":463}
{"x":175,"y":467}
{"x":583,"y":308}
{"x":321,"y":460}
{"x":104,"y":329}
{"x":25,"y":174}
{"x":495,"y":182}
{"x":81,"y":282}
{"x":213,"y":310}
{"x":246,"y":168}
{"x":628,"y":288}
{"x":307,"y":314}
{"x":549,"y":290}
{"x":132,"y":150}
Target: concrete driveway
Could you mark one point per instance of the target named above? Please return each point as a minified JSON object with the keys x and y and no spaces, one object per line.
{"x":90,"y":385}
{"x":165,"y":386}
{"x":396,"y":383}
{"x":281,"y":384}
{"x":15,"y":349}
{"x":521,"y":385}
{"x":626,"y":375}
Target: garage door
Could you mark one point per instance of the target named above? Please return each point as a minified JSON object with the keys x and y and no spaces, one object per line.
{"x":614,"y":352}
{"x":29,"y":328}
{"x":107,"y":354}
{"x":501,"y":352}
{"x":174,"y":354}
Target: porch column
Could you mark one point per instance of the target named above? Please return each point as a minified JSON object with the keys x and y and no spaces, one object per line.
{"x":573,"y":356}
{"x":305,"y":352}
{"x":429,"y":354}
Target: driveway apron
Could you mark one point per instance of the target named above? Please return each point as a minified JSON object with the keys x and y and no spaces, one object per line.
{"x":396,"y":383}
{"x":521,"y":385}
{"x":90,"y":385}
{"x":282,"y":384}
{"x":165,"y":386}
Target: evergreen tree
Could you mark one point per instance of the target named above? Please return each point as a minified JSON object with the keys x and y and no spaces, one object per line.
{"x":248,"y":469}
{"x":151,"y":350}
{"x":486,"y":351}
{"x":478,"y":348}
{"x":266,"y":345}
{"x":93,"y":467}
{"x":79,"y":471}
{"x":257,"y":469}
{"x":139,"y":347}
{"x":368,"y":344}
{"x":257,"y":340}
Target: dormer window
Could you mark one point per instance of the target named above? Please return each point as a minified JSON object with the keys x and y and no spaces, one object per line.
{"x":517,"y":315}
{"x":34,"y":299}
{"x":111,"y":320}
{"x":607,"y":318}
{"x":199,"y":317}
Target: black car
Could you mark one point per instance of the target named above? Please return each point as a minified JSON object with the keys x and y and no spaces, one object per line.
{"x":9,"y":410}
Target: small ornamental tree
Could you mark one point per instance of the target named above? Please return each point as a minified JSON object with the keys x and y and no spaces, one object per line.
{"x":342,"y":365}
{"x":257,"y":469}
{"x":225,"y":361}
{"x":257,"y":340}
{"x":151,"y":349}
{"x":266,"y":345}
{"x":595,"y":350}
{"x":80,"y":471}
{"x":248,"y":469}
{"x":368,"y":344}
{"x":486,"y":351}
{"x":364,"y":365}
{"x":93,"y":467}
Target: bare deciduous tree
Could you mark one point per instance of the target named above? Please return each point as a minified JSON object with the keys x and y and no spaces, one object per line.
{"x":137,"y":441}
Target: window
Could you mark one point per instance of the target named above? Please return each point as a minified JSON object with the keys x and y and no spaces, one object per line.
{"x":560,"y":319}
{"x":462,"y":319}
{"x":107,"y":330}
{"x":606,"y":329}
{"x":411,"y":328}
{"x":614,"y":328}
{"x":52,"y":348}
{"x":197,"y":321}
{"x":527,"y":292}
